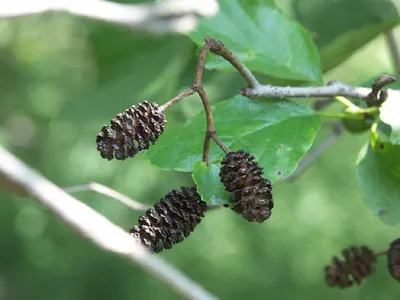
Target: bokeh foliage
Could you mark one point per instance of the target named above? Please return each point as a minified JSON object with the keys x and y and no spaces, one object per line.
{"x":64,"y":77}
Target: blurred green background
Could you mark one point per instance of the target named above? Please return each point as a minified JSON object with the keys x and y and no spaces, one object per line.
{"x":62,"y":78}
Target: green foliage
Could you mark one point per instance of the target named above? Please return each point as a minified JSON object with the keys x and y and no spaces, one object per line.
{"x":389,"y":114}
{"x":208,"y":183}
{"x":276,"y":131}
{"x":340,"y":27}
{"x":104,"y":72}
{"x":259,"y":34}
{"x":381,"y":188}
{"x":130,"y":70}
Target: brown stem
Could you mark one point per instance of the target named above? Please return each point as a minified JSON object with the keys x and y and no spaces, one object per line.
{"x":218,"y":141}
{"x":217,"y":47}
{"x":200,"y":64}
{"x":209,"y":118}
{"x":176,"y":99}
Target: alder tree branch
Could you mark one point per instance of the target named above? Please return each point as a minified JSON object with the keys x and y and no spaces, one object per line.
{"x":331,"y":90}
{"x":394,"y":49}
{"x":96,"y":227}
{"x":106,"y":191}
{"x":169,"y":16}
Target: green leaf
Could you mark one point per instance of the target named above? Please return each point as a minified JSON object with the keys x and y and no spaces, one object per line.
{"x":259,"y":34}
{"x":340,"y":27}
{"x":208,"y":183}
{"x":389,"y":114}
{"x":381,"y":189}
{"x":387,"y":129}
{"x":277,"y":132}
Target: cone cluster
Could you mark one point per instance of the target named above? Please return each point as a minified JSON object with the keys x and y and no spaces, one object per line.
{"x":170,"y":220}
{"x":357,"y":264}
{"x":393,"y":258}
{"x":131,"y":131}
{"x":251,"y":194}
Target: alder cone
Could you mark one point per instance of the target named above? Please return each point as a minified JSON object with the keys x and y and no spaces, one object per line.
{"x":170,"y":220}
{"x":251,"y":194}
{"x":131,"y":131}
{"x":357,"y":265}
{"x":393,"y":257}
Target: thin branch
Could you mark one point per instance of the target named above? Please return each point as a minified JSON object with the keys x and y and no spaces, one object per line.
{"x":179,"y":16}
{"x":217,"y":47}
{"x":104,"y":190}
{"x":218,"y":141}
{"x":96,"y":227}
{"x":198,"y":87}
{"x":378,"y":95}
{"x":209,"y":119}
{"x":332,"y":90}
{"x":394,"y":49}
{"x":176,"y":99}
{"x":313,"y":155}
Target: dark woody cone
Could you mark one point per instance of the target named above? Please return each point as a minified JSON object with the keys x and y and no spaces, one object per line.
{"x":393,"y":257}
{"x":250,"y":193}
{"x":357,"y":265}
{"x":170,"y":220}
{"x":131,"y":131}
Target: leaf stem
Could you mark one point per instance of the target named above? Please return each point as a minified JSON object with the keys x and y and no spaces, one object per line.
{"x":339,"y":115}
{"x":346,"y":102}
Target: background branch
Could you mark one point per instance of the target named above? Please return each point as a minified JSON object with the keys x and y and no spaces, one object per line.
{"x":317,"y":152}
{"x":96,"y":227}
{"x":106,"y":191}
{"x":179,"y":16}
{"x":394,"y":49}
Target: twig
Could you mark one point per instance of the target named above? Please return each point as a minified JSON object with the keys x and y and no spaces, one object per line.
{"x":96,"y":227}
{"x":394,"y":49}
{"x":179,"y":16}
{"x":209,"y":119}
{"x":176,"y":99}
{"x":312,"y":156}
{"x":217,"y":47}
{"x":104,"y":190}
{"x":198,"y":87}
{"x":218,"y":141}
{"x":378,"y":95}
{"x":332,"y":90}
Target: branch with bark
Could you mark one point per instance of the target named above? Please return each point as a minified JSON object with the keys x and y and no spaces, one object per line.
{"x":169,"y":16}
{"x":96,"y":227}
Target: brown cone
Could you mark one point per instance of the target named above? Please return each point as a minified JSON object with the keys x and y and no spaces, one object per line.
{"x":172,"y":219}
{"x":357,"y":265}
{"x":250,"y":193}
{"x":393,"y":257}
{"x":131,"y":131}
